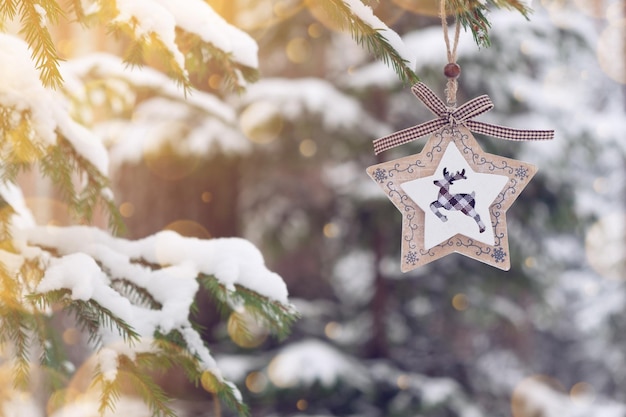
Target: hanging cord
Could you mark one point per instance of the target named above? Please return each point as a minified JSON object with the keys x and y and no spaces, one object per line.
{"x":452,"y":70}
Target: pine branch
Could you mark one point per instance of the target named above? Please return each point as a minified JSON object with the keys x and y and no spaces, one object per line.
{"x":89,"y":315}
{"x":135,"y":294}
{"x":202,"y":56}
{"x":472,"y":14}
{"x":60,"y":164}
{"x":8,"y":9}
{"x":276,"y":316}
{"x":364,"y":34}
{"x":35,"y":31}
{"x":152,"y":394}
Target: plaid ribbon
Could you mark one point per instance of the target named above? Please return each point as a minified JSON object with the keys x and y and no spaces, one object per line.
{"x":459,"y":116}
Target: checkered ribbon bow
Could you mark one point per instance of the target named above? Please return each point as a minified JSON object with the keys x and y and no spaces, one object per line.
{"x":459,"y":116}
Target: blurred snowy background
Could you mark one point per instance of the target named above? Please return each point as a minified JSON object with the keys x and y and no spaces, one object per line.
{"x":283,"y":164}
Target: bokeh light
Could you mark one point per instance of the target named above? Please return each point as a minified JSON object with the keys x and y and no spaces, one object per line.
{"x":307,"y":148}
{"x":127,"y":209}
{"x":420,"y":7}
{"x":71,"y":336}
{"x":298,"y":50}
{"x":261,"y":122}
{"x":245,"y":330}
{"x":331,"y":230}
{"x":403,"y":381}
{"x":460,"y":302}
{"x":610,"y":50}
{"x":302,"y":404}
{"x":256,"y":382}
{"x":189,"y":228}
{"x":209,"y":382}
{"x":168,"y":166}
{"x":206,"y":197}
{"x":582,"y":393}
{"x":523,"y":403}
{"x":332,"y":330}
{"x":604,"y":246}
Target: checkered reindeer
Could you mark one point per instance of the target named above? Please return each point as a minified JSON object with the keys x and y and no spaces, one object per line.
{"x":455,"y":202}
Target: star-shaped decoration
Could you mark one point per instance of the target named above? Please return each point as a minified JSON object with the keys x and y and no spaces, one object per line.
{"x":453,"y":198}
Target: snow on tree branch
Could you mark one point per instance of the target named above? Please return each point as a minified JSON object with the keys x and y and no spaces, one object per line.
{"x":155,"y":23}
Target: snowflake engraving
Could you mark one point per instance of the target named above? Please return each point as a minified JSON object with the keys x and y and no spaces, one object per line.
{"x":521,"y":173}
{"x":498,"y":255}
{"x":380,"y":175}
{"x":411,"y":258}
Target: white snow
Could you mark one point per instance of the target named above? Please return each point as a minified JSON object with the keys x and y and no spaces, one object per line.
{"x":308,"y":361}
{"x":88,"y":407}
{"x":199,"y":17}
{"x":297,"y":98}
{"x":161,"y":17}
{"x":87,"y":253}
{"x":366,"y":14}
{"x":147,"y":18}
{"x":22,"y":91}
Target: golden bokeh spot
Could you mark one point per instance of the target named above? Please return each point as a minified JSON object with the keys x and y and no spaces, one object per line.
{"x":206,"y":197}
{"x":610,"y":51}
{"x":582,"y":393}
{"x":245,"y":330}
{"x":403,"y":381}
{"x":315,"y":30}
{"x":420,"y":7}
{"x":332,"y":330}
{"x":317,"y":10}
{"x":284,"y":9}
{"x":600,"y":185}
{"x":71,"y":336}
{"x":530,"y":262}
{"x":276,"y":373}
{"x":209,"y":382}
{"x":524,"y":394}
{"x":307,"y":148}
{"x":298,"y":50}
{"x":49,"y":211}
{"x":603,"y":246}
{"x":166,"y":165}
{"x":189,"y":228}
{"x":215,"y":81}
{"x":261,"y":122}
{"x":127,"y":209}
{"x":256,"y":382}
{"x":302,"y":404}
{"x":460,"y":302}
{"x":525,"y":48}
{"x":331,"y":230}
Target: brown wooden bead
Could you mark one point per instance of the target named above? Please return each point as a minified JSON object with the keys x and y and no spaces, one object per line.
{"x":452,"y":70}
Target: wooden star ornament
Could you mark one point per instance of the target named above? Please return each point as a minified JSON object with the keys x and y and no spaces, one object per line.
{"x":452,"y":195}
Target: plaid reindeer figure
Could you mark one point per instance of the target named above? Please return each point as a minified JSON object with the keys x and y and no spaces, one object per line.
{"x":455,"y":202}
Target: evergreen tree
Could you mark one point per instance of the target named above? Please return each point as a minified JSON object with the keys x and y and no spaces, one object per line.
{"x":454,"y":338}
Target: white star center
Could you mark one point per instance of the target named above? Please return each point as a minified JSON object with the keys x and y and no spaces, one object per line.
{"x":459,"y":202}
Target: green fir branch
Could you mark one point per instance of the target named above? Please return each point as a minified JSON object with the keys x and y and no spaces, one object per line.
{"x":136,"y":294}
{"x":8,"y":9}
{"x":276,"y":316}
{"x":89,"y":315}
{"x":35,"y":32}
{"x":60,"y":164}
{"x":364,"y":34}
{"x":203,"y":57}
{"x":473,"y":15}
{"x":152,"y":394}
